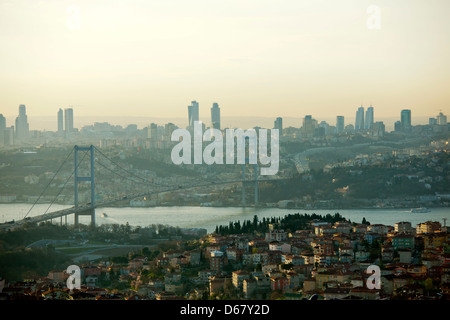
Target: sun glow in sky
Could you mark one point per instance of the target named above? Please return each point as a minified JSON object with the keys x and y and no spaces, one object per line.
{"x":254,"y":57}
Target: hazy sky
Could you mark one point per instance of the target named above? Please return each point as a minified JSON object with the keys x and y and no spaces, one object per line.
{"x":254,"y":57}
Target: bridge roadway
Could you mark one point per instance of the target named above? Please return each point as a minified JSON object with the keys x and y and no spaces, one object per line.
{"x":88,"y":207}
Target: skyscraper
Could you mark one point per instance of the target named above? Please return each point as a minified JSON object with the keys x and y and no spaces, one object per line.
{"x":153,"y":131}
{"x":193,"y":113}
{"x":2,"y":122}
{"x":68,"y":119}
{"x":309,"y":124}
{"x":278,"y":124}
{"x":340,"y":124}
{"x":2,"y":129}
{"x":215,"y":116}
{"x":22,"y":127}
{"x":60,"y":121}
{"x":405,"y":118}
{"x":359,"y":123}
{"x":368,"y":124}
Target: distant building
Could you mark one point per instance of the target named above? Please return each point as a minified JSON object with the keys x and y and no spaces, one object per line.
{"x":405,"y":118}
{"x":378,"y":129}
{"x":309,"y":125}
{"x":441,"y":119}
{"x":2,"y":129}
{"x":215,"y":116}
{"x":359,"y":122}
{"x":278,"y":124}
{"x":152,"y":132}
{"x":22,"y":127}
{"x":368,"y":124}
{"x":193,"y":113}
{"x":340,"y":125}
{"x":2,"y":122}
{"x":68,"y":120}
{"x":60,"y":121}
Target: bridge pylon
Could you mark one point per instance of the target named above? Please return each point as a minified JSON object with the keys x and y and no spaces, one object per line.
{"x":255,"y":168}
{"x":91,"y":179}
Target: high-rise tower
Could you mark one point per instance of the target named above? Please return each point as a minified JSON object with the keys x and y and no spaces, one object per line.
{"x":340,"y":124}
{"x":215,"y":116}
{"x":405,"y":118}
{"x":68,"y":119}
{"x":368,"y":124}
{"x":278,"y":124}
{"x":359,"y":123}
{"x":22,"y":127}
{"x":193,"y":113}
{"x":60,"y":121}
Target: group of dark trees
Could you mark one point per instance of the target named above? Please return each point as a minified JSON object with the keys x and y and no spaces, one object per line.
{"x":289,"y":222}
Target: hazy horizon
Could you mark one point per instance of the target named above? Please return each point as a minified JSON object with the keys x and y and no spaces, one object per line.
{"x":49,"y":123}
{"x":260,"y":58}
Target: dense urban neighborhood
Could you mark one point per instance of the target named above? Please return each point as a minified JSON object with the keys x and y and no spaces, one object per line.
{"x":291,"y":258}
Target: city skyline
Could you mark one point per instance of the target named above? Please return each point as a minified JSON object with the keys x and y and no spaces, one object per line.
{"x":65,"y":119}
{"x":257,"y":58}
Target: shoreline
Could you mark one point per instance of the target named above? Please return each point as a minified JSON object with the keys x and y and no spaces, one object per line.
{"x":248,"y":206}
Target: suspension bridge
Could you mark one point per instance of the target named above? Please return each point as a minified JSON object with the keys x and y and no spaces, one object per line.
{"x":88,"y":209}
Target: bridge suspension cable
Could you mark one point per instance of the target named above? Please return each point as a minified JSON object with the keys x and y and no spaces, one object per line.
{"x":46,"y":187}
{"x":120,"y":175}
{"x":65,"y":183}
{"x":128,"y":171}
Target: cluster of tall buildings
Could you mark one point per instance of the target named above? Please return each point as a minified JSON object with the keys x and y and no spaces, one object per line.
{"x":364,"y":122}
{"x":65,"y":120}
{"x":20,"y":131}
{"x":15,"y":134}
{"x":194,"y":114}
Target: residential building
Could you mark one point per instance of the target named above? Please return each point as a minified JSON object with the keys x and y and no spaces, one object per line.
{"x":403,"y":227}
{"x":435,"y":240}
{"x":428,"y":227}
{"x":279,"y":283}
{"x":217,"y":261}
{"x":238,"y":278}
{"x":403,"y":241}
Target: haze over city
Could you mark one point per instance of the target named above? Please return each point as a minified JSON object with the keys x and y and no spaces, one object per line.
{"x":255,"y":58}
{"x":223,"y":155}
